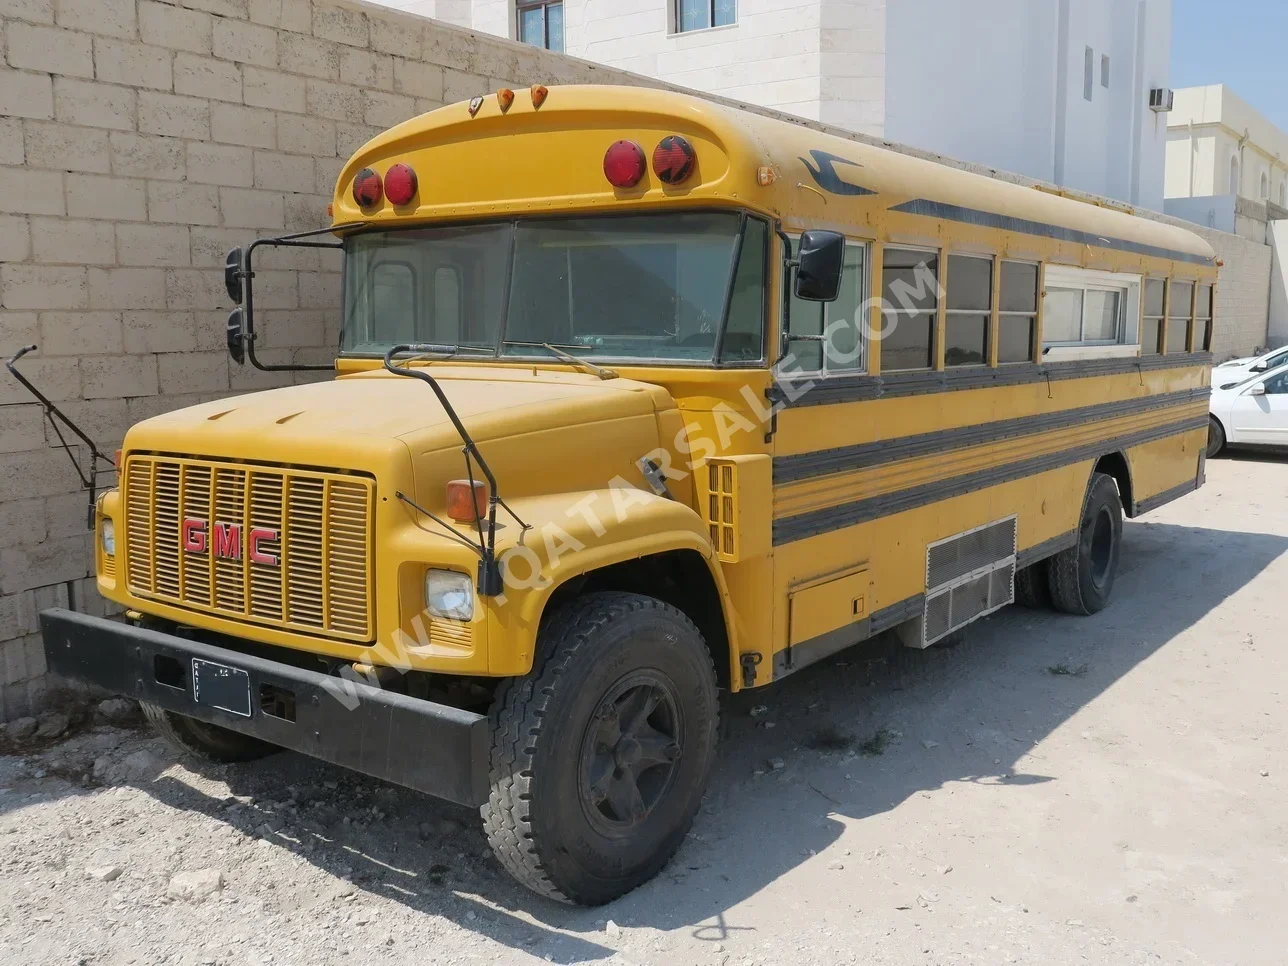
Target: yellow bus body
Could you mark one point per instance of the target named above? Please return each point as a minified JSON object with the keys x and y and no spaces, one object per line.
{"x":823,"y":513}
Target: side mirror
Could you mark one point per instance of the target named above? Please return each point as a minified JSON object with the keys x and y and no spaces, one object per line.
{"x":237,"y":335}
{"x":232,"y":275}
{"x":1257,"y":369}
{"x":1257,"y":389}
{"x":818,"y":267}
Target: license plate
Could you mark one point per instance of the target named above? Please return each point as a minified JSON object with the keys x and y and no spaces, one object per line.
{"x":220,"y":686}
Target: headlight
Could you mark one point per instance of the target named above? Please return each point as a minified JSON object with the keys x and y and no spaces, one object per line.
{"x":107,"y":534}
{"x":449,"y":594}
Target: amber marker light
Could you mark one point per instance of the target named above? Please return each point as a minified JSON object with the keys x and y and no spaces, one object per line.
{"x":539,"y":94}
{"x":476,"y":102}
{"x":467,"y":500}
{"x":766,"y":175}
{"x":505,"y":97}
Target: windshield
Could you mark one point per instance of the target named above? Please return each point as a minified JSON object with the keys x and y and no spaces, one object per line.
{"x":624,"y":288}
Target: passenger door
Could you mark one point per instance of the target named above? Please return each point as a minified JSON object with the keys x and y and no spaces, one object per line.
{"x":1263,"y":418}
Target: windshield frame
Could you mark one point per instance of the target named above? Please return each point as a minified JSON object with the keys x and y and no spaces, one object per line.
{"x":496,"y":354}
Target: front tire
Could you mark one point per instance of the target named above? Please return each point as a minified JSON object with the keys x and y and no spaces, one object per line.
{"x":1082,"y":577}
{"x":600,"y":756}
{"x":1216,"y":437}
{"x":205,"y":741}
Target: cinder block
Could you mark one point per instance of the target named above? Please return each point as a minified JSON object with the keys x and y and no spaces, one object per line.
{"x":461,"y":86}
{"x":94,"y":104}
{"x":299,"y":54}
{"x":139,"y":65}
{"x":183,"y":203}
{"x":50,"y":50}
{"x":246,"y":43}
{"x":23,"y":191}
{"x":63,"y":147}
{"x":392,"y":36}
{"x":54,"y":561}
{"x":294,"y":15}
{"x":293,"y":329}
{"x":43,"y":287}
{"x":114,"y":18}
{"x":251,"y":208}
{"x":62,"y":241}
{"x":202,"y":289}
{"x":58,"y":378}
{"x":126,"y":288}
{"x":161,"y":245}
{"x":307,"y":212}
{"x":220,"y":164}
{"x":251,"y":126}
{"x":36,"y":473}
{"x":276,"y":290}
{"x":116,"y":377}
{"x":386,"y":110}
{"x":24,"y":94}
{"x":283,"y":172}
{"x":418,"y":79}
{"x":340,"y":24}
{"x":205,"y":77}
{"x":222,"y":8}
{"x":15,"y":240}
{"x":166,"y":26}
{"x":326,"y":171}
{"x":147,"y":156}
{"x":104,"y":420}
{"x":319,"y":290}
{"x":22,"y":428}
{"x":105,"y":196}
{"x":171,"y":114}
{"x":273,"y":89}
{"x":365,"y":68}
{"x":22,"y":521}
{"x":306,"y":135}
{"x":210,"y":245}
{"x":336,"y":101}
{"x":350,"y":137}
{"x":13,"y":662}
{"x":159,"y":331}
{"x":450,"y":48}
{"x":33,"y":11}
{"x":12,"y":607}
{"x":193,"y":372}
{"x":11,"y":151}
{"x":80,"y":333}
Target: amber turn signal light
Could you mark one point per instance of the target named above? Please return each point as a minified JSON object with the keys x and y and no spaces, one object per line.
{"x":467,"y":500}
{"x":505,"y":97}
{"x":539,"y":94}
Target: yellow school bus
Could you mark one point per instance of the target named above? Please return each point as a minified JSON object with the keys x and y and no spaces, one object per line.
{"x":638,"y":397}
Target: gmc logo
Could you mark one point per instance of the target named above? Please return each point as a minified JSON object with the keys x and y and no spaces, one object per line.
{"x":225,"y":540}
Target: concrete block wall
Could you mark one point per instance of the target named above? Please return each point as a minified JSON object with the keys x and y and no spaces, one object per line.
{"x":139,"y":141}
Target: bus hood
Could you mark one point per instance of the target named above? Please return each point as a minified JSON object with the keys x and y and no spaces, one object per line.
{"x":372,"y":410}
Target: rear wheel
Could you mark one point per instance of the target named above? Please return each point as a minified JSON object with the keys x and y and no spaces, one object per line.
{"x":1082,"y":577}
{"x":1216,"y":437}
{"x":206,"y":741}
{"x":601,"y":755}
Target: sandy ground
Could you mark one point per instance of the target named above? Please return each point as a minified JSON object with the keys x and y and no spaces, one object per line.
{"x":968,"y":806}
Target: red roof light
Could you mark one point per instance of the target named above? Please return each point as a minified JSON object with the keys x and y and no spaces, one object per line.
{"x":624,"y":164}
{"x":400,"y":184}
{"x":367,"y":190}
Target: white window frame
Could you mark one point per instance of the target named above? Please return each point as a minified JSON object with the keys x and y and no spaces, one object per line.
{"x":1129,"y":287}
{"x":860,"y":366}
{"x":678,"y":30}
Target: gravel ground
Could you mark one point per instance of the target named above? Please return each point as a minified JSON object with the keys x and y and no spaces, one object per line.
{"x":1056,"y":790}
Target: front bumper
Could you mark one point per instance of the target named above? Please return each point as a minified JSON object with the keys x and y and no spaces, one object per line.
{"x":433,"y":748}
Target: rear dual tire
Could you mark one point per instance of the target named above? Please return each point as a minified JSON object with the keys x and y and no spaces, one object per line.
{"x":1081,"y":578}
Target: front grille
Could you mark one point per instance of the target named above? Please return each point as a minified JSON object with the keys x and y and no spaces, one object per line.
{"x":287,"y":548}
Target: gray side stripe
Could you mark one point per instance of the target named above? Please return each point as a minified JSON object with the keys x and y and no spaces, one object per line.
{"x":830,"y":390}
{"x":1167,"y":496}
{"x":1047,"y":548}
{"x":789,"y":469}
{"x":987,"y":219}
{"x":828,"y":519}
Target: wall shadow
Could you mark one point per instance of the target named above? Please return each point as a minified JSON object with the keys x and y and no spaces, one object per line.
{"x":432,"y":856}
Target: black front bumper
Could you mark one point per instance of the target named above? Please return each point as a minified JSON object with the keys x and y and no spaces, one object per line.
{"x":433,"y":748}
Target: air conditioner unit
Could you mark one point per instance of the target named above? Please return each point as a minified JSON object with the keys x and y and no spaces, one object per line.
{"x":1161,"y":99}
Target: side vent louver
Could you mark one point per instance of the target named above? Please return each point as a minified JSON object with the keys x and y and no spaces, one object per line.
{"x":968,"y":576}
{"x":722,"y":481}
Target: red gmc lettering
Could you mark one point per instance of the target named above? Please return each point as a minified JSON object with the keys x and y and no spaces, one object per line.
{"x":260,"y":535}
{"x":227,"y":541}
{"x":193,"y":533}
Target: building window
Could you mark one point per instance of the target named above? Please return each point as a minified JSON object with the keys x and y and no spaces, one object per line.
{"x":1151,"y":323}
{"x":910,"y":287}
{"x":968,"y":309}
{"x":1180,"y":315}
{"x":541,"y":24}
{"x":1104,"y":71}
{"x":1017,"y":314}
{"x":1234,"y":176}
{"x":1265,"y":186}
{"x":1088,"y":73}
{"x":701,"y":14}
{"x":827,"y":336}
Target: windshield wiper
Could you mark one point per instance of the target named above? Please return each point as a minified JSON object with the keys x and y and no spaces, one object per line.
{"x":434,"y":350}
{"x":567,"y":357}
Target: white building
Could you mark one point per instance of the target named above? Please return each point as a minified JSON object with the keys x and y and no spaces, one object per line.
{"x":1217,"y":144}
{"x":1057,"y":90}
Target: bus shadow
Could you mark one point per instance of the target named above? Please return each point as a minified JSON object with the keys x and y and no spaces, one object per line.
{"x":800,"y":763}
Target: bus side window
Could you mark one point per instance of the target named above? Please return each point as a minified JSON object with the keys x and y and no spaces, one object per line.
{"x":844,"y":350}
{"x":1151,"y":326}
{"x":393,"y":300}
{"x":1017,"y":314}
{"x":910,"y":287}
{"x":1204,"y":313}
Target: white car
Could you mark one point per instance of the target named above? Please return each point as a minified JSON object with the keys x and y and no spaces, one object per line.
{"x":1237,"y":370}
{"x":1253,"y":412}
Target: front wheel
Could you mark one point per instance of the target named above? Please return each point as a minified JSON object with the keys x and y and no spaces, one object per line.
{"x":205,"y":741}
{"x":1082,"y":577}
{"x":1216,"y":438}
{"x":601,"y":755}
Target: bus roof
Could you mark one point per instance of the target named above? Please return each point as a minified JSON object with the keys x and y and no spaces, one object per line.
{"x":549,"y":159}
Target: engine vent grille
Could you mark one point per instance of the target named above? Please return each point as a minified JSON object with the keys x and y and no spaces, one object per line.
{"x":722,"y":489}
{"x":968,"y":576}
